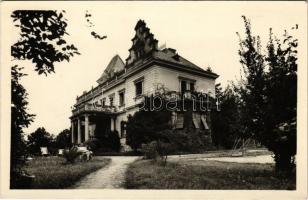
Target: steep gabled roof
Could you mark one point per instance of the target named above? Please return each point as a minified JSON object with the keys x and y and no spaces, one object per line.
{"x":115,"y":65}
{"x":170,"y":55}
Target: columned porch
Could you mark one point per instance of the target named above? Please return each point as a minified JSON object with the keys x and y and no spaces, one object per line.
{"x":90,"y":125}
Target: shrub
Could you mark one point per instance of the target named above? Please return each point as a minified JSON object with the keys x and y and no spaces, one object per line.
{"x":71,"y":155}
{"x":93,"y":144}
{"x":157,"y":149}
{"x":149,"y":150}
{"x":39,"y":138}
{"x":142,"y":128}
{"x":110,"y":141}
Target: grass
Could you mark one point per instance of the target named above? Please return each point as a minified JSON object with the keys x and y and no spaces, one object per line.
{"x":146,"y":174}
{"x":53,"y":173}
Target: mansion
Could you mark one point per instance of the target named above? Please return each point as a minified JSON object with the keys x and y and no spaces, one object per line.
{"x":123,"y":84}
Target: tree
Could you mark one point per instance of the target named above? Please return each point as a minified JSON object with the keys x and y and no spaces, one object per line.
{"x":20,"y":119}
{"x":268,"y":99}
{"x":37,"y":139}
{"x":63,"y":139}
{"x":226,"y":126}
{"x":281,"y":92}
{"x":252,"y":86}
{"x":41,"y":41}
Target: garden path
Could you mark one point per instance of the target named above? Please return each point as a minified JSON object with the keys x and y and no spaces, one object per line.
{"x":109,"y":177}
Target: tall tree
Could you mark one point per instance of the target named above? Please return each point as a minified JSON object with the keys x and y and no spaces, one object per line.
{"x":281,"y":99}
{"x":252,"y":87}
{"x":269,"y":98}
{"x":41,"y":41}
{"x":20,"y":119}
{"x":63,"y":139}
{"x":226,"y":127}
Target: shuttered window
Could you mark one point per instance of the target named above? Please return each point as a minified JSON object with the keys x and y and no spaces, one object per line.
{"x":203,"y":119}
{"x":179,"y":120}
{"x":196,"y":120}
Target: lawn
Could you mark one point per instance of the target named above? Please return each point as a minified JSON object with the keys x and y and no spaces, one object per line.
{"x":146,"y":174}
{"x":53,"y":172}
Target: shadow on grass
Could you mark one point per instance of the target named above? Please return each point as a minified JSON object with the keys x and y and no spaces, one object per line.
{"x":146,"y":174}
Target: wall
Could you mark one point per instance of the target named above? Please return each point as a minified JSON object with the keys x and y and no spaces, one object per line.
{"x":170,"y":79}
{"x":150,"y":80}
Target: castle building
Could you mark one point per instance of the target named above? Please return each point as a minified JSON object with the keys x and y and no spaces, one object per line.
{"x":121,"y":87}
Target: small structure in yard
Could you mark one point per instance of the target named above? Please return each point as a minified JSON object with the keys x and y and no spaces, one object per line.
{"x":44,"y":151}
{"x":60,"y":152}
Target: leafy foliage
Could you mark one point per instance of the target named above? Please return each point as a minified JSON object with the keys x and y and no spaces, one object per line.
{"x":252,"y":87}
{"x":226,"y":126}
{"x":71,"y":155}
{"x":63,"y":139}
{"x":281,"y":99}
{"x":157,"y":150}
{"x":143,"y":126}
{"x":37,"y":139}
{"x":149,"y":150}
{"x":268,"y":99}
{"x":107,"y":142}
{"x":20,"y":120}
{"x":42,"y":39}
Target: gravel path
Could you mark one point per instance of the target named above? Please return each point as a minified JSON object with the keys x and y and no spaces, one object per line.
{"x":249,"y":159}
{"x":109,"y":177}
{"x":246,"y":159}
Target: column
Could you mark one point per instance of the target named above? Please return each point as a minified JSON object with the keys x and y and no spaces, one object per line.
{"x":86,"y":127}
{"x":112,"y":124}
{"x":73,"y":132}
{"x":79,"y":131}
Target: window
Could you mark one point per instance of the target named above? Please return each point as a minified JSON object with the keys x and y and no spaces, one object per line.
{"x":121,"y":98}
{"x":192,"y":87}
{"x":183,"y":86}
{"x":187,"y":84}
{"x":111,"y":101}
{"x":196,"y":120}
{"x":123,"y":129}
{"x":139,"y":88}
{"x":103,"y":101}
{"x":203,"y":119}
{"x":179,"y":121}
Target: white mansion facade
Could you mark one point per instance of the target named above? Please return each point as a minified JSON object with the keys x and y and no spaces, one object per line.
{"x":121,"y":87}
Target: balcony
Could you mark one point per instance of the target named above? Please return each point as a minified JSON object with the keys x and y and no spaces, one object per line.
{"x":92,"y":108}
{"x":89,"y":95}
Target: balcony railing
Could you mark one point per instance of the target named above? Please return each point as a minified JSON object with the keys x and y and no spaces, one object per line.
{"x":89,"y":95}
{"x":92,"y":108}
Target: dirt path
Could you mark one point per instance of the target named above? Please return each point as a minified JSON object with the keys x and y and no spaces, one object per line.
{"x":246,"y":159}
{"x":109,"y":177}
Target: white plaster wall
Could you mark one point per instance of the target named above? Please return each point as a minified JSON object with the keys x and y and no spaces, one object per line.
{"x":170,"y":79}
{"x":150,"y":80}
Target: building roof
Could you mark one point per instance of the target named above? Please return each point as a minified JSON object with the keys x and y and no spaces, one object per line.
{"x":115,"y":65}
{"x":170,"y":55}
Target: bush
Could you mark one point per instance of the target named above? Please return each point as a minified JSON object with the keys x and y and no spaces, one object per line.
{"x":142,"y":128}
{"x":110,"y":141}
{"x":149,"y":150}
{"x":39,"y":138}
{"x":71,"y":155}
{"x":157,"y":149}
{"x":93,"y":144}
